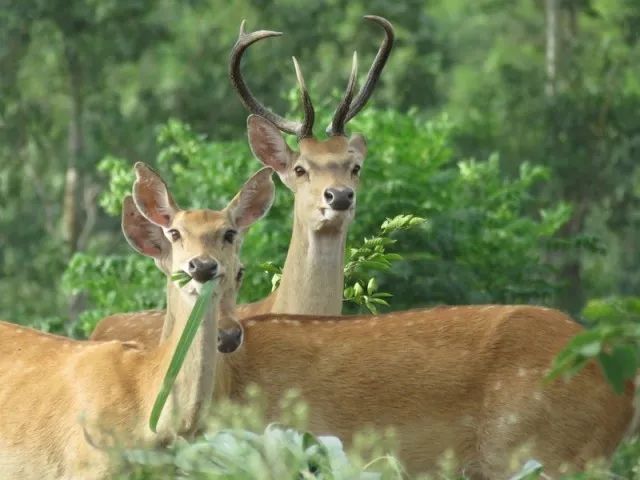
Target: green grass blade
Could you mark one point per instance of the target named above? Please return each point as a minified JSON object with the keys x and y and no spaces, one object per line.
{"x":201,"y":306}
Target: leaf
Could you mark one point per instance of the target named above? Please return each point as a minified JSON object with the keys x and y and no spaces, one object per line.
{"x":372,"y":286}
{"x":201,"y":306}
{"x":619,"y":365}
{"x":181,"y":278}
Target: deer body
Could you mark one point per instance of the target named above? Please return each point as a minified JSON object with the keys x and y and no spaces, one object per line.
{"x":464,"y":379}
{"x":66,"y":402}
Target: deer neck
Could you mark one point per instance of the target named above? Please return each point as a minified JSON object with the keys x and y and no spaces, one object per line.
{"x":193,"y":388}
{"x":313,"y":275}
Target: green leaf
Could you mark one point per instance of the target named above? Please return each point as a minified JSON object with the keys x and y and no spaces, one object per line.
{"x":203,"y":303}
{"x":372,"y":286}
{"x":181,"y":278}
{"x":619,"y":365}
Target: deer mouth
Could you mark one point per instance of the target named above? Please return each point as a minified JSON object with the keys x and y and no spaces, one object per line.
{"x":330,"y":219}
{"x":330,"y":214}
{"x":194,"y":287}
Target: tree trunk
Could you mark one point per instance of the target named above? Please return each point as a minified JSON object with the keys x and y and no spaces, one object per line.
{"x":72,"y":188}
{"x":551,"y":56}
{"x":573,"y":295}
{"x":71,"y":208}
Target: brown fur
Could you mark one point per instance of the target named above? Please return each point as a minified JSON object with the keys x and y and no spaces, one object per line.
{"x":468,"y":379}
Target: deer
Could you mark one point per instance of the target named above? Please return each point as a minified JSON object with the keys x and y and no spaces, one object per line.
{"x":323,"y":176}
{"x":66,"y":403}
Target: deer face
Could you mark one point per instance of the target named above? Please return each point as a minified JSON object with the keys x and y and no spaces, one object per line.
{"x":203,"y":243}
{"x":324,"y":175}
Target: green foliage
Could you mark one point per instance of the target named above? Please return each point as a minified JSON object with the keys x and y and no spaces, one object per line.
{"x":237,"y":445}
{"x":613,"y":340}
{"x":239,"y":454}
{"x":113,"y":283}
{"x":370,"y":257}
{"x":488,"y":238}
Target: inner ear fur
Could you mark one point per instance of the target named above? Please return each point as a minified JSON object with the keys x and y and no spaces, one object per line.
{"x":254,"y":199}
{"x":152,"y":197}
{"x":144,"y":236}
{"x":267,"y":144}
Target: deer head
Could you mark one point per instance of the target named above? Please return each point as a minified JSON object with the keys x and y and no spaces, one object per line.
{"x":323,"y":174}
{"x":203,"y":243}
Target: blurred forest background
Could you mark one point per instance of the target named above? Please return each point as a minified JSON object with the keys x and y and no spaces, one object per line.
{"x":511,"y":126}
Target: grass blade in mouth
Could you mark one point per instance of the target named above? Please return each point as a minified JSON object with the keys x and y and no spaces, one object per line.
{"x":203,"y":303}
{"x":181,"y":278}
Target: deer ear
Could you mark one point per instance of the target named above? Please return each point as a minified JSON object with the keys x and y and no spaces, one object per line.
{"x":267,"y":144}
{"x":253,"y":201}
{"x":359,"y":144}
{"x":144,"y":236}
{"x":152,"y":196}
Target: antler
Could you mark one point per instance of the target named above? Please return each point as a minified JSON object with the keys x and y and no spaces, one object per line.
{"x":245,"y":40}
{"x":340,"y":117}
{"x":306,"y":128}
{"x":348,"y":108}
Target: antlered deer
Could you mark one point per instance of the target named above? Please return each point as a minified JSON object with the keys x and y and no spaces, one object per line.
{"x":323,"y":176}
{"x":64,"y":401}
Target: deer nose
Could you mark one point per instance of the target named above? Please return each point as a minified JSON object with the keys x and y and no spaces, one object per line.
{"x":339,"y":199}
{"x":202,"y":269}
{"x":230,"y":339}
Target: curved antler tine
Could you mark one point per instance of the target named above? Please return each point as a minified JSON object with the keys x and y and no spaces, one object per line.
{"x":245,"y":40}
{"x":376,"y":68}
{"x":306,"y":128}
{"x":340,"y":117}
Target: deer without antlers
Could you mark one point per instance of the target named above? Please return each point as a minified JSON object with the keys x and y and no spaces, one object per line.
{"x":64,"y":402}
{"x":323,"y":176}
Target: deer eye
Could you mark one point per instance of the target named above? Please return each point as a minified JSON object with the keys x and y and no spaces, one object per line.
{"x":230,"y":235}
{"x":299,"y":171}
{"x":356,"y":170}
{"x":174,"y":234}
